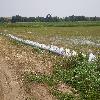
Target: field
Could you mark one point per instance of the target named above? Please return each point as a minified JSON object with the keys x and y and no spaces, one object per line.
{"x":75,"y":37}
{"x":44,"y":75}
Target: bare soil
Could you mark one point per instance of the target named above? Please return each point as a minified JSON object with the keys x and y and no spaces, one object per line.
{"x":40,"y":92}
{"x":14,"y":61}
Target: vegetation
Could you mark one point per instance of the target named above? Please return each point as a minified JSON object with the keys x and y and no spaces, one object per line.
{"x":51,"y":24}
{"x":79,"y":38}
{"x":48,"y":18}
{"x":81,"y":75}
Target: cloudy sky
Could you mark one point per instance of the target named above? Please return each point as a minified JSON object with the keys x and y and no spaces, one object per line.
{"x":59,"y":8}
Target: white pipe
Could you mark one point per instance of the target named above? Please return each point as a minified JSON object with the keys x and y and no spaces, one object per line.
{"x":52,"y":48}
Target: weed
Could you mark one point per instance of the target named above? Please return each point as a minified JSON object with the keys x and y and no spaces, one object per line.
{"x":82,"y":77}
{"x":98,"y":62}
{"x":63,"y":96}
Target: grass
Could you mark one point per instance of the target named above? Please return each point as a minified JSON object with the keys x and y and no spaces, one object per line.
{"x":83,"y":76}
{"x":52,"y":24}
{"x":77,"y":38}
{"x":61,"y":96}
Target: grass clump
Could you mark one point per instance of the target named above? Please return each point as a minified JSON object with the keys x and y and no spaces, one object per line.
{"x":63,"y":96}
{"x":38,"y":78}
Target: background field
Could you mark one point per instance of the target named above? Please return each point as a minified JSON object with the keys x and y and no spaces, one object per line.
{"x":74,"y":35}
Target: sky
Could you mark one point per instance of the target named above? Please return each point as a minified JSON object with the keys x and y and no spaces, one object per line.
{"x":60,"y":8}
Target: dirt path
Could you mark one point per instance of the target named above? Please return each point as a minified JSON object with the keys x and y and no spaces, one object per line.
{"x":14,"y":61}
{"x":9,"y":86}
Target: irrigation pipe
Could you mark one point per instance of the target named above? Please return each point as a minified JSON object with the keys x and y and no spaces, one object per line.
{"x":61,"y":51}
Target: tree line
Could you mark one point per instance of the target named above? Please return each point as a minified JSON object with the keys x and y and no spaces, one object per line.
{"x":48,"y":18}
